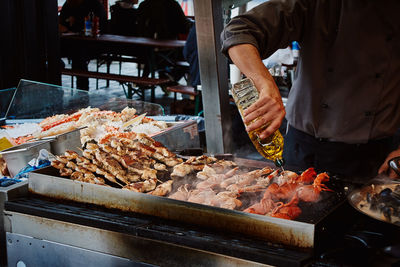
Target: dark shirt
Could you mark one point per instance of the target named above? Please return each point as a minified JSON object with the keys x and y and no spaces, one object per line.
{"x":80,"y":12}
{"x":190,"y":53}
{"x":347,"y":85}
{"x":162,"y":19}
{"x":123,"y":20}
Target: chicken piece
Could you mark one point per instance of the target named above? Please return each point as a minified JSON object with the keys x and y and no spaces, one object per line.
{"x":221,"y":166}
{"x":71,"y":165}
{"x":76,"y":175}
{"x":71,"y":155}
{"x":90,"y":166}
{"x":160,"y":167}
{"x":206,"y":173}
{"x":202,"y":196}
{"x":92,"y":146}
{"x":82,"y":160}
{"x":66,"y":172}
{"x":182,"y":193}
{"x":182,"y":170}
{"x":162,"y":189}
{"x":141,"y":187}
{"x":58,"y":164}
{"x":88,"y":154}
{"x":62,"y":159}
{"x":226,"y":200}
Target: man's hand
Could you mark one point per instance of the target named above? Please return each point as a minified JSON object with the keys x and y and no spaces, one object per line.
{"x":385,"y":167}
{"x":268,"y":109}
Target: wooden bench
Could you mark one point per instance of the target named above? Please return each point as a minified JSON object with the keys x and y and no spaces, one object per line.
{"x":135,"y":85}
{"x":109,"y":58}
{"x":186,"y":90}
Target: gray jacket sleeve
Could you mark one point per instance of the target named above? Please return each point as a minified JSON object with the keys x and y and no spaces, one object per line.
{"x":269,"y":26}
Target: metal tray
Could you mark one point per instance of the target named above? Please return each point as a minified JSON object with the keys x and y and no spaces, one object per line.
{"x":180,"y":135}
{"x":62,"y":142}
{"x":17,"y":157}
{"x":359,"y":195}
{"x":45,"y":182}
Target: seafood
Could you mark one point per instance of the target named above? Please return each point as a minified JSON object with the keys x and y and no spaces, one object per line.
{"x":383,"y":202}
{"x":311,"y":193}
{"x":292,"y":188}
{"x":287,"y":211}
{"x":238,"y":182}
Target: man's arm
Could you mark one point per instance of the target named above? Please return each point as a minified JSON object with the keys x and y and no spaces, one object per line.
{"x":269,"y":108}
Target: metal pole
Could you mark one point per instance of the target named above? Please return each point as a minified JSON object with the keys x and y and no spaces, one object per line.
{"x":214,"y":75}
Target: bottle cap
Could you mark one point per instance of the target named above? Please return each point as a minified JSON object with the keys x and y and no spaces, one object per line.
{"x":279,"y":162}
{"x":295,"y":45}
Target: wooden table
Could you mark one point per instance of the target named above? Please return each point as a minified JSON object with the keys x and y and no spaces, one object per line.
{"x":143,"y":47}
{"x":118,"y":44}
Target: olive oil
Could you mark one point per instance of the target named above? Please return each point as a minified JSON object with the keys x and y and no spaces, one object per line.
{"x":245,"y":94}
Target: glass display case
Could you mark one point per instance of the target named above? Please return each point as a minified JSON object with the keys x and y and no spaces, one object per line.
{"x":35,"y":100}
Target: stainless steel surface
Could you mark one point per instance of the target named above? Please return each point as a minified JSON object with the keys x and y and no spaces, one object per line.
{"x":277,"y":230}
{"x":38,"y":252}
{"x":62,"y":142}
{"x":214,"y":75}
{"x":8,"y":193}
{"x":17,"y":157}
{"x":179,"y":136}
{"x":113,"y":243}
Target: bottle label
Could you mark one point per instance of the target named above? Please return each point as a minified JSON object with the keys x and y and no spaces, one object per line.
{"x":244,"y":93}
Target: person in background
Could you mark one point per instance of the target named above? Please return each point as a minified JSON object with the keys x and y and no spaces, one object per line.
{"x":72,"y":19}
{"x":343,"y":109}
{"x":190,"y":54}
{"x":124,"y":18}
{"x":164,"y":19}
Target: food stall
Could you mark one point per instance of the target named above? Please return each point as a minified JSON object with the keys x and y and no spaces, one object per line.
{"x":195,"y":209}
{"x":70,"y":221}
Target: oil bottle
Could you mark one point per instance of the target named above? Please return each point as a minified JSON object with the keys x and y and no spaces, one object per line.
{"x":245,"y":94}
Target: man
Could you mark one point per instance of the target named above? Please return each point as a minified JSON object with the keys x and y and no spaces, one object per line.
{"x":123,"y":17}
{"x":72,"y":19}
{"x":162,"y":19}
{"x":343,"y":107}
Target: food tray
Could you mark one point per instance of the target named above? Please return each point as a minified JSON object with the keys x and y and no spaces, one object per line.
{"x":62,"y":142}
{"x":17,"y":157}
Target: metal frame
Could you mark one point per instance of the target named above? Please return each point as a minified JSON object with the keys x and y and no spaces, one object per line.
{"x":79,"y":241}
{"x":214,"y":75}
{"x":211,"y":16}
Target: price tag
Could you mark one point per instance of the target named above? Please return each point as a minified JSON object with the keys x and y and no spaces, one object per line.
{"x":4,"y":143}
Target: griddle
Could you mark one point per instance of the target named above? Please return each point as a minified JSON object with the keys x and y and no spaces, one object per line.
{"x":155,"y":228}
{"x":300,"y":234}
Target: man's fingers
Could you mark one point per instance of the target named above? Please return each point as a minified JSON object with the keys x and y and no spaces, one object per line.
{"x":269,"y":130}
